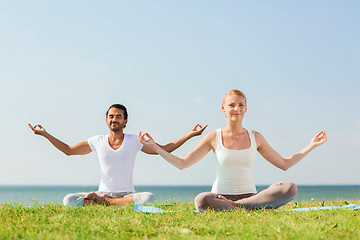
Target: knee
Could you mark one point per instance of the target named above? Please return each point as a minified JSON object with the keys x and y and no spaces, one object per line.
{"x":73,"y":200}
{"x":289,"y":189}
{"x":144,"y":197}
{"x":202,"y":199}
{"x":149,"y":197}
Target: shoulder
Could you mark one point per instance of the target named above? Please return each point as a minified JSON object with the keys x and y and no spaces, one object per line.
{"x":96,"y":138}
{"x":209,"y":139}
{"x":259,"y":138}
{"x":210,"y":136}
{"x":257,"y":134}
{"x":130,"y":135}
{"x":97,"y":141}
{"x":132,"y":138}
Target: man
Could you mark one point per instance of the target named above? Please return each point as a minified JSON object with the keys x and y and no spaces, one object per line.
{"x":116,"y":152}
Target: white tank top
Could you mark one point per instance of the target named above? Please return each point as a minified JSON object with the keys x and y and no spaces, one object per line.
{"x":234,"y":168}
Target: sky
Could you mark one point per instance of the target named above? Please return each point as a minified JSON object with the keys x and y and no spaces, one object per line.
{"x":63,"y":63}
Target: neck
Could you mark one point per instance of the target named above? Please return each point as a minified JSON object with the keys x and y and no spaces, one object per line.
{"x":234,"y":126}
{"x":116,"y":135}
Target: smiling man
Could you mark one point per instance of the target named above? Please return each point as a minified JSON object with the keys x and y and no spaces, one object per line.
{"x":117,"y":152}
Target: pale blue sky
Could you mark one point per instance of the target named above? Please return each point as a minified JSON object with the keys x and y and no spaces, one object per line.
{"x":170,"y":62}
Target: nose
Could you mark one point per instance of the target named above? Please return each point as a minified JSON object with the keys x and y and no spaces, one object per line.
{"x":237,"y":108}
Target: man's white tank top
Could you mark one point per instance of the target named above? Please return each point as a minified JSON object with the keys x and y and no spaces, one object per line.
{"x":234,"y":168}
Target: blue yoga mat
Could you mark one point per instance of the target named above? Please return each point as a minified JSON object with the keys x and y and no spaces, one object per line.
{"x":24,"y":206}
{"x":149,"y":209}
{"x":305,"y":209}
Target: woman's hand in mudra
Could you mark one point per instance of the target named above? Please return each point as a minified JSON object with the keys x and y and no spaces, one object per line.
{"x":319,"y":139}
{"x":146,"y":139}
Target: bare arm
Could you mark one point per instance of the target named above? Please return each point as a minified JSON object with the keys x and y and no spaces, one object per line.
{"x":191,"y":158}
{"x":285,"y":163}
{"x":81,"y":148}
{"x":177,"y":143}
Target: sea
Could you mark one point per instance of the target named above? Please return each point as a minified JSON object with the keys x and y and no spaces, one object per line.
{"x":55,"y":194}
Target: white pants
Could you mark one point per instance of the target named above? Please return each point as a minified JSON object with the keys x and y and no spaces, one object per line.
{"x":77,"y":199}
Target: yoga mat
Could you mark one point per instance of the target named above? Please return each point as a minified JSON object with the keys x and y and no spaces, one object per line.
{"x":24,"y":206}
{"x":149,"y":209}
{"x":305,"y":209}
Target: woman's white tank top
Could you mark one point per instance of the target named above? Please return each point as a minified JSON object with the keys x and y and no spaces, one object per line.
{"x":234,"y":168}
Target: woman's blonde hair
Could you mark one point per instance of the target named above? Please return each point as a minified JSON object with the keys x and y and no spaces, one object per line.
{"x":232,"y":92}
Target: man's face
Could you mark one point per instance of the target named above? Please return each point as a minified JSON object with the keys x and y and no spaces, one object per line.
{"x":115,"y":119}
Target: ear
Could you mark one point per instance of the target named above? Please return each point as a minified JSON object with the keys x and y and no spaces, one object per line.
{"x":125,"y":122}
{"x":222,"y":108}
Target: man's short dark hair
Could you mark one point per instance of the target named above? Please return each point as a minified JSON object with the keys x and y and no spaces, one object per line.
{"x":118,"y":106}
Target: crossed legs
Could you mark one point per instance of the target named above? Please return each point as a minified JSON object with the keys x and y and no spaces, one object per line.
{"x":276,"y":195}
{"x":78,"y":199}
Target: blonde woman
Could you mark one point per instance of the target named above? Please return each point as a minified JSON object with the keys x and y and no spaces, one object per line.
{"x":235,"y":149}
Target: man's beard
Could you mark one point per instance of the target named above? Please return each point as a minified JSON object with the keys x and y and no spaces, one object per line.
{"x":117,"y":128}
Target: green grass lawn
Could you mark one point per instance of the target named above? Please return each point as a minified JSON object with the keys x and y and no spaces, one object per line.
{"x":54,"y":221}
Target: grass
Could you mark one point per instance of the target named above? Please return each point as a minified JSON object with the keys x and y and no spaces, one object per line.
{"x":54,"y":221}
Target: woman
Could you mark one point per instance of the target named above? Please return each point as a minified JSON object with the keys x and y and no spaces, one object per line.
{"x":235,"y":148}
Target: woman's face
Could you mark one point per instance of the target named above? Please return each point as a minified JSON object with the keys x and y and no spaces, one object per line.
{"x":234,"y":107}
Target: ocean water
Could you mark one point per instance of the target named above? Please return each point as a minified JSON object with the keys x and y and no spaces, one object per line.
{"x":47,"y":194}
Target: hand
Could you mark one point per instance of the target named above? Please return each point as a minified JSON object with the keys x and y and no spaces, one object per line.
{"x":146,"y":139}
{"x":37,"y":129}
{"x":227,"y":200}
{"x":93,"y":198}
{"x":319,"y":139}
{"x":196,"y":132}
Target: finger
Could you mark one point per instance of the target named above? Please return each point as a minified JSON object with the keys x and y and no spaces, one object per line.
{"x":148,"y":135}
{"x":143,"y":136}
{"x":195,"y":127}
{"x":221,"y":197}
{"x":140,"y":134}
{"x":325,"y":136}
{"x":38,"y":126}
{"x":317,"y":135}
{"x":30,"y":126}
{"x":203,"y":128}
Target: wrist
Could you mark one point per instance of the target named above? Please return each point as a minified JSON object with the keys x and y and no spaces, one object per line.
{"x":44,"y":134}
{"x":312,"y":146}
{"x":189,"y":135}
{"x":155,"y":146}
